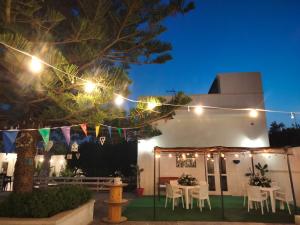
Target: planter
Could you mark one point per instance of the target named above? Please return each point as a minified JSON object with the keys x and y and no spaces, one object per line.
{"x":139,"y":192}
{"x":297,"y":219}
{"x":82,"y":215}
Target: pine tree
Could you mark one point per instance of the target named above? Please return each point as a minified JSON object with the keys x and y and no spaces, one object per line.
{"x":95,"y":40}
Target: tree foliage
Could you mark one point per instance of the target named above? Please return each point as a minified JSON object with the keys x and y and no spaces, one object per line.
{"x":282,"y":136}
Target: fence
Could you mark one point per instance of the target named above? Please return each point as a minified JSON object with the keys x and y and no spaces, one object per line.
{"x":92,"y":183}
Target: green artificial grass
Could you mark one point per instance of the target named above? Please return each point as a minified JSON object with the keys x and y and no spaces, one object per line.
{"x":141,"y":209}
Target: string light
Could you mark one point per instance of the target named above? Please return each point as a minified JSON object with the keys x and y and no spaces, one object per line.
{"x":208,"y":155}
{"x":119,"y":100}
{"x":236,"y":155}
{"x":253,"y":113}
{"x":196,"y":155}
{"x":35,"y":65}
{"x":183,"y":156}
{"x":170,"y":155}
{"x":250,"y":155}
{"x":157,"y":156}
{"x":292,"y":115}
{"x":89,"y":87}
{"x":198,"y":110}
{"x":151,"y":105}
{"x":222,"y":155}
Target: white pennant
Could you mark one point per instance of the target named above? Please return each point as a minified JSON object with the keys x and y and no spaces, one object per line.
{"x":102,"y":140}
{"x":77,"y":155}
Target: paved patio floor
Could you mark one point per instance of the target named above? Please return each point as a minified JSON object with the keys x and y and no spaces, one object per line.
{"x":101,"y":211}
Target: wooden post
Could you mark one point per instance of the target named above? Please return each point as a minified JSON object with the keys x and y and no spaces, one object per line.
{"x":291,"y":180}
{"x":222,"y":197}
{"x":158,"y":187}
{"x":154,"y":185}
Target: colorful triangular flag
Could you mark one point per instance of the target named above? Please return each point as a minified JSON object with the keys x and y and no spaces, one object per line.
{"x":119,"y":131}
{"x":84,"y":128}
{"x":9,"y":138}
{"x":102,"y":140}
{"x":97,"y":128}
{"x":45,"y":133}
{"x":66,"y":132}
{"x":109,"y":131}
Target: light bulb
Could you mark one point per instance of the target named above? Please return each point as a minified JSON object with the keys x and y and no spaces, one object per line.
{"x":170,"y":155}
{"x":151,"y":105}
{"x":119,"y":100}
{"x":236,"y":155}
{"x":157,"y":156}
{"x":89,"y":87}
{"x":253,"y":113}
{"x":196,"y":155}
{"x":35,"y":65}
{"x":198,"y":110}
{"x":183,"y":156}
{"x":222,"y":155}
{"x":208,"y":155}
{"x":250,"y":155}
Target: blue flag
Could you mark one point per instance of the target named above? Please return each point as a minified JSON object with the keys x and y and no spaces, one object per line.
{"x":109,"y":130}
{"x":9,"y":138}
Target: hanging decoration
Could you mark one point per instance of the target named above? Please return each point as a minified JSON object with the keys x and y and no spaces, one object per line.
{"x":78,"y":155}
{"x":109,"y":131}
{"x":45,"y":133}
{"x":84,"y":128}
{"x":66,"y":130}
{"x":124,"y":134}
{"x":48,"y":146}
{"x":119,"y":131}
{"x":97,"y":128}
{"x":9,"y":138}
{"x":74,"y":147}
{"x":102,"y":140}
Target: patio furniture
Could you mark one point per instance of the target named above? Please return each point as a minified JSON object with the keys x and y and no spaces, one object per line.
{"x":186,"y":190}
{"x":163,"y":181}
{"x":255,"y":195}
{"x":172,"y":192}
{"x":271,"y":191}
{"x":284,"y":197}
{"x":201,"y":194}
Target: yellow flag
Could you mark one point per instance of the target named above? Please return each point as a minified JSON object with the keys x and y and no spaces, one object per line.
{"x":97,"y":128}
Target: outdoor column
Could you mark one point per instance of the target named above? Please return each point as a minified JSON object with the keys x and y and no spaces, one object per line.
{"x":291,"y":180}
{"x":221,"y":188}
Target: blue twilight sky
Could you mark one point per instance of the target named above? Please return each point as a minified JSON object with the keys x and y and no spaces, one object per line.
{"x":231,"y":36}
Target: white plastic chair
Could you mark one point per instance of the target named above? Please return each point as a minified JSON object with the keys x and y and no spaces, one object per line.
{"x":245,"y":185}
{"x":173,"y":182}
{"x":255,"y":195}
{"x":200,"y":194}
{"x":284,"y":197}
{"x":174,"y":194}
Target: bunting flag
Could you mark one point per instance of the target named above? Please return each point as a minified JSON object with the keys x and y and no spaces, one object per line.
{"x":45,"y":133}
{"x":119,"y":131}
{"x":66,"y":132}
{"x":9,"y":138}
{"x":84,"y":128}
{"x":102,"y":140}
{"x":109,"y":131}
{"x":124,"y":134}
{"x":97,"y":128}
{"x":74,"y":147}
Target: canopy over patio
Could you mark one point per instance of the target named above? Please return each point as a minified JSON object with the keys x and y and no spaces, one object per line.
{"x":219,"y":151}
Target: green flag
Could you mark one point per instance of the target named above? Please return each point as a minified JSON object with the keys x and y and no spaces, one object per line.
{"x":45,"y":133}
{"x":119,"y":131}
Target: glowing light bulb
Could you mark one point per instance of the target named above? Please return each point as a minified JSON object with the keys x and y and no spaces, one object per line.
{"x":196,"y":155}
{"x":198,"y":110}
{"x":35,"y":65}
{"x":157,"y":156}
{"x":208,"y":155}
{"x":183,"y":156}
{"x":253,"y":113}
{"x":170,"y":155}
{"x":222,"y":155}
{"x":292,"y":115}
{"x":151,"y":105}
{"x":236,"y":155}
{"x":89,"y":87}
{"x":250,"y":155}
{"x":119,"y":100}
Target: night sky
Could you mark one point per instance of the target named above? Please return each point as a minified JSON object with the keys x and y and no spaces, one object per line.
{"x":231,"y":36}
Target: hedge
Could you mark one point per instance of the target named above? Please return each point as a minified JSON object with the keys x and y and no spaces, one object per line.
{"x":44,"y":202}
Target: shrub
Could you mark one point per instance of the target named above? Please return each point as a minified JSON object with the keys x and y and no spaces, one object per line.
{"x":44,"y":202}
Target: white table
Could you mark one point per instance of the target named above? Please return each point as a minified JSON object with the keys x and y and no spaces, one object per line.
{"x":186,"y":193}
{"x":271,"y":191}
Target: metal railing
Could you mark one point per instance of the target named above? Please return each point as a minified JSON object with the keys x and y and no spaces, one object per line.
{"x":92,"y":183}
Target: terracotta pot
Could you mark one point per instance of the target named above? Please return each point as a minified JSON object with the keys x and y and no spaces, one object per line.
{"x":139,"y":192}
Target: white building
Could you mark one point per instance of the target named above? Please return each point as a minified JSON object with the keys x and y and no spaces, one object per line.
{"x":216,"y":127}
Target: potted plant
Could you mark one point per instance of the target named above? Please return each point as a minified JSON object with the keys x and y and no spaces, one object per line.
{"x":259,"y":179}
{"x":137,"y":171}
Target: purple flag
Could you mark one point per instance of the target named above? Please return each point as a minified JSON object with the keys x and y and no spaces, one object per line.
{"x":9,"y":138}
{"x":66,"y":132}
